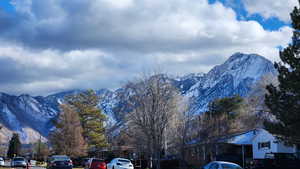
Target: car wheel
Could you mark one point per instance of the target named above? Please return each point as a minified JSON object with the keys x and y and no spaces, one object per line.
{"x":113,"y":167}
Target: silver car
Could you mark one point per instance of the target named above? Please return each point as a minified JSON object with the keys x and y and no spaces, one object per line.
{"x":18,"y":162}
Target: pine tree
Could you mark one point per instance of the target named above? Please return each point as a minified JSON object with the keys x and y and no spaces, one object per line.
{"x":91,"y":117}
{"x":14,"y":148}
{"x":67,"y":138}
{"x":284,"y":100}
{"x":223,"y":112}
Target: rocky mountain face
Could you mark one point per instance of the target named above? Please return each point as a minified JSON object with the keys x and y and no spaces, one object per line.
{"x":31,"y":116}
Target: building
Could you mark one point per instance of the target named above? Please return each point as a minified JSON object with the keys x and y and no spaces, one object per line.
{"x":265,"y":142}
{"x":240,"y":147}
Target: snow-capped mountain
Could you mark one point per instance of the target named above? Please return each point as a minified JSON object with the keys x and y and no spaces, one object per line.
{"x":30,"y":115}
{"x":234,"y":77}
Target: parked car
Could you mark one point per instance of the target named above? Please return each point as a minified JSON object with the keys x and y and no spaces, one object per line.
{"x":78,"y":162}
{"x":32,"y":163}
{"x":221,"y":165}
{"x":120,"y":163}
{"x":18,"y":162}
{"x":95,"y":163}
{"x":59,"y":162}
{"x":277,"y":161}
{"x":1,"y":161}
{"x":85,"y":162}
{"x":233,"y":158}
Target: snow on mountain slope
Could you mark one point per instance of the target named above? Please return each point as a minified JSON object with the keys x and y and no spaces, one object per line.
{"x":234,"y":77}
{"x":27,"y":115}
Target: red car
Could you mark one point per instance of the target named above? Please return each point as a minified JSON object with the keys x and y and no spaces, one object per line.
{"x":96,"y":163}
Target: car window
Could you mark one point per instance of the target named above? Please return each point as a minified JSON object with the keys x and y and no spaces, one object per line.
{"x":214,"y":166}
{"x":18,"y":159}
{"x":97,"y":160}
{"x":61,"y":158}
{"x":124,"y":161}
{"x":230,"y":166}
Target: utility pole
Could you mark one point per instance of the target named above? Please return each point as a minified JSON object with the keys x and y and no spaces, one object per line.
{"x":39,"y":148}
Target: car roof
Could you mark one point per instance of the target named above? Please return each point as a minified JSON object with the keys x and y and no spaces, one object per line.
{"x":223,"y":162}
{"x":122,"y":159}
{"x":59,"y":156}
{"x":96,"y":158}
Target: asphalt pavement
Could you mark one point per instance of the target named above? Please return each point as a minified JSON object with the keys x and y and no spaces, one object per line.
{"x":7,"y":165}
{"x":35,"y":167}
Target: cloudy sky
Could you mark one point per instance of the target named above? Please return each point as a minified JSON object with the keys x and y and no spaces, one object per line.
{"x":48,"y":46}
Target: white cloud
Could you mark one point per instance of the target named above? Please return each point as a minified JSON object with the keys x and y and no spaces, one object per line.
{"x":271,"y":8}
{"x":60,"y":45}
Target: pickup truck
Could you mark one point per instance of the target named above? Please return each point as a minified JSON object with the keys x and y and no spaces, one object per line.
{"x":277,"y":161}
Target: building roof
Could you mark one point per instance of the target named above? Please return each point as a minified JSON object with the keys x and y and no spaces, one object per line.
{"x":245,"y":138}
{"x":242,"y":138}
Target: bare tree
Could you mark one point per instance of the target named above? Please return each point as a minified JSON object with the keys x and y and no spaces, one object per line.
{"x":154,"y":104}
{"x":182,"y":129}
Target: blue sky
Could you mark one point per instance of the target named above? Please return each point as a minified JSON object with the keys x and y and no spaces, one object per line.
{"x":272,"y":23}
{"x":43,"y":44}
{"x":6,"y":5}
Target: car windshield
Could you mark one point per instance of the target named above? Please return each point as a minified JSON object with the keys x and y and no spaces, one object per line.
{"x":230,"y":166}
{"x":19,"y":159}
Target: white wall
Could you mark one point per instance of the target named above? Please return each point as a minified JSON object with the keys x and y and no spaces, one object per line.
{"x":285,"y":149}
{"x":276,"y":146}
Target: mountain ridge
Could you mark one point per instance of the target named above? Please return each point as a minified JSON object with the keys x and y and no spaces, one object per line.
{"x":234,"y":77}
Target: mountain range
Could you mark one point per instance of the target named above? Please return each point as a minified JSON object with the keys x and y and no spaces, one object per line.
{"x":32,"y":116}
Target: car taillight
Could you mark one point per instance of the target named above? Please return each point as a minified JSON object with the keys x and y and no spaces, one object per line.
{"x":102,"y":166}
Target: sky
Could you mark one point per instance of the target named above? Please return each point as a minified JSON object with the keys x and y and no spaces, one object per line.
{"x":56,"y":45}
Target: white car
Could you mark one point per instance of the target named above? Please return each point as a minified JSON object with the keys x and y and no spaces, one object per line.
{"x":221,"y":165}
{"x":32,"y":163}
{"x":18,"y":162}
{"x":120,"y":163}
{"x":1,"y":162}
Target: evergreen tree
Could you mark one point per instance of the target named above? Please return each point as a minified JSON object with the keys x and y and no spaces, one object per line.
{"x":91,"y":117}
{"x":14,"y":148}
{"x":284,"y":100}
{"x":222,"y":113}
{"x":220,"y":120}
{"x":67,"y":138}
